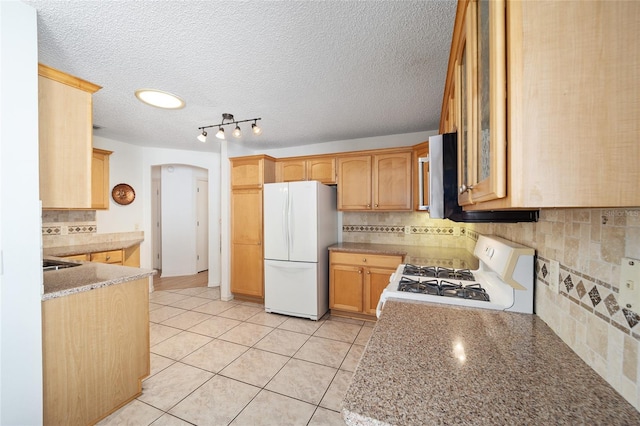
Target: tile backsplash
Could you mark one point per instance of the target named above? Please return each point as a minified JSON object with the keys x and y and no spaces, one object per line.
{"x":68,"y":222}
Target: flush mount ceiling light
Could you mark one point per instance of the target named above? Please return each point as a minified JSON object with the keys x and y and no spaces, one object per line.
{"x":159,"y":99}
{"x":227,"y":119}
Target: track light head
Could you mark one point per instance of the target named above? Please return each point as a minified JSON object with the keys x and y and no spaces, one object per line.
{"x":255,"y":129}
{"x":202,"y":137}
{"x":220,"y":134}
{"x":226,"y":120}
{"x":237,"y":132}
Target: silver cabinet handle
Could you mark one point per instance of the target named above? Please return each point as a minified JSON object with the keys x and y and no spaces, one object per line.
{"x":464,"y":188}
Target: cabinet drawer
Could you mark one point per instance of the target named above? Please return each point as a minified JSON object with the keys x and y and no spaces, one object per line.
{"x":113,"y":256}
{"x":366,"y":259}
{"x":83,"y":257}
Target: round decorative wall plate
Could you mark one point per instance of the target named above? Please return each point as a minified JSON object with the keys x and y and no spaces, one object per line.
{"x":123,"y":194}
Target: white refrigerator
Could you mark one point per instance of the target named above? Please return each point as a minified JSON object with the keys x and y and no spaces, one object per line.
{"x":300,"y":223}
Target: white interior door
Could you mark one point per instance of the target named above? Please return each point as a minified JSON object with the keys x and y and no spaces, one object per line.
{"x":303,"y":221}
{"x":276,"y":233}
{"x":202,"y":225}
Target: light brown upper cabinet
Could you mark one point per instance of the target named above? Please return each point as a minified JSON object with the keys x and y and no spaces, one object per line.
{"x":100,"y":179}
{"x":320,"y":168}
{"x":421,"y":180}
{"x":380,"y":181}
{"x":65,"y":139}
{"x":560,"y":74}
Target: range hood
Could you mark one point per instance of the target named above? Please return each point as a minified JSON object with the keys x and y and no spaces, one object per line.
{"x":443,"y":188}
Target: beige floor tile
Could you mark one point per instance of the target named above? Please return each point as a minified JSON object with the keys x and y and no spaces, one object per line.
{"x":337,"y":330}
{"x":353,"y":358}
{"x":171,"y":385}
{"x":216,"y":402}
{"x":324,"y":417}
{"x":164,"y":313}
{"x":347,"y":320}
{"x":214,"y":326}
{"x":158,"y":333}
{"x":166,"y":297}
{"x":268,"y":319}
{"x":323,"y":351}
{"x":251,"y":304}
{"x":270,"y":409}
{"x":302,"y":380}
{"x":180,"y":345}
{"x":210,"y":293}
{"x":158,"y":363}
{"x":255,"y":367}
{"x":363,"y":336}
{"x":246,"y":334}
{"x":370,"y":324}
{"x":133,"y":414}
{"x":190,"y":302}
{"x":215,"y":356}
{"x":333,"y":398}
{"x":154,"y":306}
{"x":240,"y":312}
{"x":193,"y":291}
{"x":169,"y":420}
{"x":300,"y":325}
{"x":214,"y":307}
{"x":186,"y":320}
{"x":282,"y":342}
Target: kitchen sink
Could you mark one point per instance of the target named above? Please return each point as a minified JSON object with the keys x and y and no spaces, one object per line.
{"x":54,"y":265}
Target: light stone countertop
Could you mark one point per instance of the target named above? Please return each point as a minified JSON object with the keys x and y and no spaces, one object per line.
{"x":417,"y":255}
{"x":88,"y":276}
{"x":70,"y":250}
{"x":429,"y":364}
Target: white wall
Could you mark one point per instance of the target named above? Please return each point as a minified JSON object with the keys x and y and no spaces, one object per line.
{"x":378,"y":142}
{"x":125,"y":166}
{"x":20,"y":232}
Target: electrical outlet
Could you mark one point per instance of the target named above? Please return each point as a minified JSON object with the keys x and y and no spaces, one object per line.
{"x":554,"y":276}
{"x":630,"y":284}
{"x":407,"y":229}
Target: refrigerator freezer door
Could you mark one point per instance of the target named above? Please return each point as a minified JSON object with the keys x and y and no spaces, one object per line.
{"x":291,"y":288}
{"x":303,"y":221}
{"x":276,"y":236}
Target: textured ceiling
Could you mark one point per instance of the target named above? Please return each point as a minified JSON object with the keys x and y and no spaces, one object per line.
{"x":313,"y":71}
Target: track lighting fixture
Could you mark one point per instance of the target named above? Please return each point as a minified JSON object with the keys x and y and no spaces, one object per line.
{"x":226,"y":120}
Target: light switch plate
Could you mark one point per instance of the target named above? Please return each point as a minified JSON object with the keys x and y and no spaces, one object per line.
{"x":554,"y":276}
{"x":630,"y":284}
{"x":407,"y":229}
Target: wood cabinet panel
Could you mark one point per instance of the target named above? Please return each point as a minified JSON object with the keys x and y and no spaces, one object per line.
{"x":65,"y":139}
{"x":354,"y":188}
{"x":357,"y":280}
{"x":246,"y":210}
{"x":346,"y":290}
{"x":112,"y":257}
{"x":392,"y":181}
{"x":247,"y":270}
{"x":95,"y":348}
{"x":322,"y":169}
{"x":100,"y":179}
{"x":252,"y":171}
{"x":291,"y":170}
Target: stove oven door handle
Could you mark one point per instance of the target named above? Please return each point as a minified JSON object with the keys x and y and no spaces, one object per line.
{"x":379,"y":307}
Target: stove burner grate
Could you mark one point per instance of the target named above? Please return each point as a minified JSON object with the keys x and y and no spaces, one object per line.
{"x":438,"y":272}
{"x":443,"y":288}
{"x":415,"y":286}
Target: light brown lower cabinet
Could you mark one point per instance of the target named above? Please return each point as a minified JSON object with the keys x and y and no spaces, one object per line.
{"x":129,"y":256}
{"x":357,"y":280}
{"x":95,"y":347}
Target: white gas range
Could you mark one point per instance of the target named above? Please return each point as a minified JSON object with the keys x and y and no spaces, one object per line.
{"x":504,"y":280}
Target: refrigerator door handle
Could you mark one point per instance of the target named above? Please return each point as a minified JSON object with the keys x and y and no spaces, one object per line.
{"x":285,"y":228}
{"x":289,"y":224}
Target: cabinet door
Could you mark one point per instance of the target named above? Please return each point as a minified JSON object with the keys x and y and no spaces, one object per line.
{"x":246,"y":172}
{"x":485,"y":68}
{"x":247,"y":269}
{"x":354,"y":175}
{"x":112,"y":257}
{"x":375,"y":280}
{"x":65,"y":145}
{"x":392,"y":181}
{"x":246,"y":242}
{"x":346,"y":289}
{"x":291,"y":171}
{"x":322,"y":169}
{"x":100,"y":179}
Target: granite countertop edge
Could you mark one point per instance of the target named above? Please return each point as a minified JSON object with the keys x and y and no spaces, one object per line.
{"x":90,"y":248}
{"x":89,"y":276}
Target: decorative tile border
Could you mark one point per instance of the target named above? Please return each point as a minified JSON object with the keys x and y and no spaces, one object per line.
{"x":453,"y":231}
{"x":595,"y":296}
{"x":470,"y":233}
{"x":69,"y":228}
